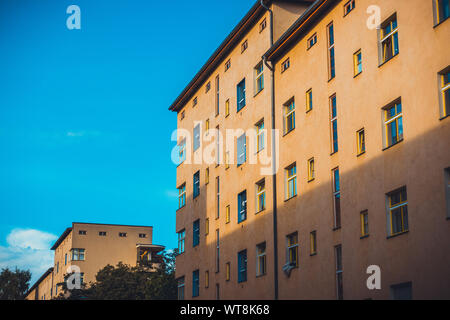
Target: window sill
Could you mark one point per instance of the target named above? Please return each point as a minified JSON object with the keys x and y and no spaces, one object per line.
{"x":179,"y":209}
{"x":384,"y":62}
{"x":364,"y":237}
{"x":333,"y":153}
{"x":444,"y":117}
{"x":308,"y":111}
{"x":392,"y":145}
{"x":336,"y":228}
{"x":261,"y":275}
{"x":331,"y":79}
{"x":285,"y":134}
{"x":313,"y":254}
{"x":261,"y":211}
{"x":257,"y":93}
{"x":360,"y":154}
{"x":286,"y":200}
{"x":440,"y":22}
{"x":356,"y":75}
{"x":311,"y":180}
{"x":397,"y":234}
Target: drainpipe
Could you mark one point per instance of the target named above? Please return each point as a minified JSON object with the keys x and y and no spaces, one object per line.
{"x":274,"y":176}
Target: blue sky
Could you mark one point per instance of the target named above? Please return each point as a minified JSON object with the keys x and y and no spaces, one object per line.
{"x":84,"y":121}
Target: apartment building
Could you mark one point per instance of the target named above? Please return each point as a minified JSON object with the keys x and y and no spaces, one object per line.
{"x":86,"y":248}
{"x":359,"y":93}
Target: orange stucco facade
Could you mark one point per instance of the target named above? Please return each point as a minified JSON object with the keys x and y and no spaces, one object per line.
{"x":414,"y":261}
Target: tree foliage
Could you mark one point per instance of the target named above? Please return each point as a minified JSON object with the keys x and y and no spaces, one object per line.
{"x":124,"y":282}
{"x":14,"y":284}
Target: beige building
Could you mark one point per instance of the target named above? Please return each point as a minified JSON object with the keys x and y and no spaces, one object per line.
{"x":359,"y":93}
{"x":85,"y":248}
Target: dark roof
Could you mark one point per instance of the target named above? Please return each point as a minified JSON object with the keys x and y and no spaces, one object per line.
{"x":46,"y":273}
{"x":61,"y":238}
{"x":298,"y":28}
{"x":222,"y":51}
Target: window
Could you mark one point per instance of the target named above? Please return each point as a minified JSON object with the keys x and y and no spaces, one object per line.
{"x":262,"y":25}
{"x":207,"y":125}
{"x":217,"y":250}
{"x":78,"y":254}
{"x":339,"y":283}
{"x":142,"y":235}
{"x":228,"y":214}
{"x":218,"y":145}
{"x":242,"y":266}
{"x":442,"y":10}
{"x":206,"y":226}
{"x":217,"y":291}
{"x":402,"y":291}
{"x":208,"y":86}
{"x":227,"y":108}
{"x":244,"y":46}
{"x":388,"y":44}
{"x":180,"y":288}
{"x":285,"y":65}
{"x":82,"y":232}
{"x":181,"y":240}
{"x":217,"y":95}
{"x":313,"y":242}
{"x":206,"y":279}
{"x":182,"y":115}
{"x":241,"y":150}
{"x":194,"y":102}
{"x":182,"y":150}
{"x":292,"y":249}
{"x":259,"y":77}
{"x":336,"y":198}
{"x":227,"y":159}
{"x":291,"y":181}
{"x":241,"y":95}
{"x":261,"y":268}
{"x":393,"y":123}
{"x":364,"y":216}
{"x":349,"y":6}
{"x":196,"y":233}
{"x":57,"y":267}
{"x":182,"y":196}
{"x":197,"y":137}
{"x":206,"y":175}
{"x":445,"y":92}
{"x":122,"y":234}
{"x":260,"y":196}
{"x":217,"y":197}
{"x":333,"y":116}
{"x":331,"y":53}
{"x":227,"y":271}
{"x":227,"y":65}
{"x":196,"y":184}
{"x":195,"y":283}
{"x":309,"y":100}
{"x":447,"y":190}
{"x":360,"y":142}
{"x":65,"y":259}
{"x":289,"y":116}
{"x":260,"y":141}
{"x":242,"y":206}
{"x":102,"y":233}
{"x":312,"y":41}
{"x":397,"y":212}
{"x":311,"y":170}
{"x":357,"y":62}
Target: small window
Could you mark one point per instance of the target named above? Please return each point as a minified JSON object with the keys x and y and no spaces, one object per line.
{"x":196,"y":184}
{"x":78,"y":254}
{"x":227,"y":108}
{"x":444,"y":79}
{"x":197,"y":136}
{"x":285,"y":65}
{"x":196,"y":233}
{"x":241,"y":150}
{"x":309,"y":100}
{"x":82,"y":232}
{"x":349,"y":6}
{"x":291,"y":181}
{"x":259,"y":77}
{"x":207,"y":125}
{"x":334,"y":124}
{"x":242,"y":206}
{"x":442,"y":10}
{"x":364,"y":216}
{"x":142,"y":235}
{"x":242,"y":266}
{"x":388,"y":43}
{"x":357,"y":63}
{"x":227,"y":271}
{"x":397,"y":212}
{"x":336,"y":198}
{"x":312,"y":41}
{"x":102,"y":233}
{"x":331,"y":53}
{"x":227,"y":65}
{"x":227,"y":214}
{"x":447,"y":190}
{"x":206,"y":175}
{"x":227,"y":160}
{"x":393,"y":123}
{"x":311,"y":170}
{"x":180,"y":288}
{"x":289,"y":116}
{"x":217,"y":95}
{"x":262,"y":25}
{"x":244,"y":46}
{"x":194,"y":102}
{"x":313,"y":242}
{"x":195,"y":283}
{"x":182,"y":115}
{"x":206,"y":226}
{"x":182,"y":196}
{"x":208,"y":86}
{"x":292,"y":249}
{"x":261,"y":267}
{"x":339,"y":280}
{"x":360,"y":142}
{"x":181,"y":241}
{"x":260,"y":196}
{"x":206,"y":279}
{"x":241,"y":95}
{"x":122,"y":234}
{"x":182,"y":151}
{"x":260,"y":136}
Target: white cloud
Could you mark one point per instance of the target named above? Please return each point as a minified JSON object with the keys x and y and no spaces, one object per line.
{"x":28,"y":249}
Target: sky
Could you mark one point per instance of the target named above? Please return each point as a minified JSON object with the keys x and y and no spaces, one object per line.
{"x":85,"y":131}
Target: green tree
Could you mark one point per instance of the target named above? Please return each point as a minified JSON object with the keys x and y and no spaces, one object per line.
{"x":124,"y":282}
{"x":14,"y":284}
